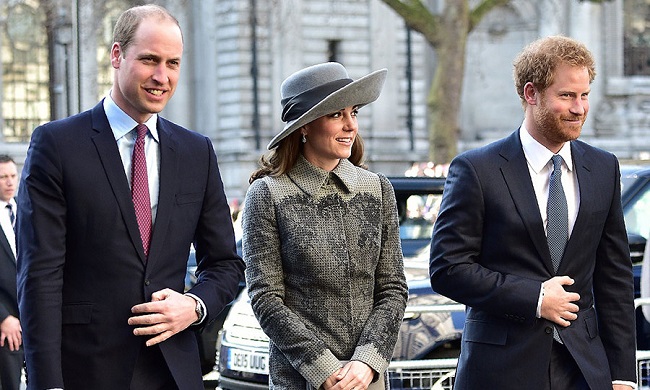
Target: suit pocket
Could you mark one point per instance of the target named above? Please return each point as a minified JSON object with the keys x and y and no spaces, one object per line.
{"x":78,"y":313}
{"x":591,"y":322}
{"x":194,"y":197}
{"x":484,"y":332}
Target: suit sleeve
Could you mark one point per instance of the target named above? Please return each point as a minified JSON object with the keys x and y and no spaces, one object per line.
{"x":458,"y":265}
{"x":41,"y":256}
{"x":220,"y":269}
{"x":614,"y":291}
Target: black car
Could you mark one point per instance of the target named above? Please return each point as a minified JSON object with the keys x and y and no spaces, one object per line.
{"x":207,"y":336}
{"x":242,"y":349}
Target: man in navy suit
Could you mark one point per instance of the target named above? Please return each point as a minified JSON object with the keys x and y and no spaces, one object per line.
{"x":531,"y":323}
{"x":100,"y":284}
{"x":11,"y":350}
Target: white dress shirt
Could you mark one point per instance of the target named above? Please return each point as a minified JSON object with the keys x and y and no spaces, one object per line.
{"x":5,"y":223}
{"x":540,"y":168}
{"x":123,"y":127}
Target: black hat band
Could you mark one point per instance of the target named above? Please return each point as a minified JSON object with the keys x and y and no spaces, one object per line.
{"x":295,"y":106}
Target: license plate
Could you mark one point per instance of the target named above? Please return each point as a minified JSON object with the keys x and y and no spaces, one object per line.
{"x":248,"y":361}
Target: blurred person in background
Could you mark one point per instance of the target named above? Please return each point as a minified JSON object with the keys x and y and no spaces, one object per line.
{"x":11,"y":350}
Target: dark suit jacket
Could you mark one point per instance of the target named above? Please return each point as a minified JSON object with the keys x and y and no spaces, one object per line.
{"x":8,"y":300}
{"x":81,"y":265}
{"x":489,"y":251}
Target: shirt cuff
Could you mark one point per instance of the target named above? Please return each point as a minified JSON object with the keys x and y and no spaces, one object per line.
{"x":200,"y":302}
{"x":538,"y":312}
{"x":627,"y":383}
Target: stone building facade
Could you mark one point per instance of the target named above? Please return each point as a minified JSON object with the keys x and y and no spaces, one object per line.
{"x":237,"y":52}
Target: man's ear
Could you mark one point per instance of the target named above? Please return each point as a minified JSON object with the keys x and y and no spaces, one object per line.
{"x":531,"y":93}
{"x":116,"y":55}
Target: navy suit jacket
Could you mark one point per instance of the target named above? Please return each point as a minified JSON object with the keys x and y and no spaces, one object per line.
{"x":81,"y":264}
{"x":489,"y":251}
{"x":8,"y":300}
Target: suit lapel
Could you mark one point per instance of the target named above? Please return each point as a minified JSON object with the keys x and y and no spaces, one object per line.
{"x":109,"y":156}
{"x":4,"y":243}
{"x":587,"y":184}
{"x":169,"y":172}
{"x":517,"y":178}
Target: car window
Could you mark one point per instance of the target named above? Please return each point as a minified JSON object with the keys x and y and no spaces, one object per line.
{"x":636,"y":214}
{"x":418,"y":218}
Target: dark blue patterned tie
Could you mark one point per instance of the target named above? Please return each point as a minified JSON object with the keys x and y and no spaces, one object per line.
{"x":557,"y":212}
{"x":12,"y":216}
{"x":557,"y":225}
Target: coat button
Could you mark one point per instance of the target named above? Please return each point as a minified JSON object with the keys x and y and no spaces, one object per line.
{"x":548,"y":330}
{"x":147,"y":282}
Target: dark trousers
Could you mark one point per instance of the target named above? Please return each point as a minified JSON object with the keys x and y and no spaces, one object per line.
{"x":11,"y":364}
{"x":563,"y":371}
{"x":151,"y":371}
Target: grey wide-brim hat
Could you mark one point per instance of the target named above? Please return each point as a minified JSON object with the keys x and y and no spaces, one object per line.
{"x":322,"y":89}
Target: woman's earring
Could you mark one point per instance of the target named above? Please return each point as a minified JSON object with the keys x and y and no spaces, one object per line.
{"x":304,"y":139}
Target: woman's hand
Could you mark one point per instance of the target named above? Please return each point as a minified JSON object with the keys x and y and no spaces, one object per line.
{"x":355,"y":375}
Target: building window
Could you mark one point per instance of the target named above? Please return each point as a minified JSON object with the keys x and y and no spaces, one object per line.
{"x":25,"y":70}
{"x":636,"y":38}
{"x":333,"y":50}
{"x":112,"y":9}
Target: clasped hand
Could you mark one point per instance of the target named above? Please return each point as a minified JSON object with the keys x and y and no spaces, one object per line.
{"x":168,"y":313}
{"x":354,"y":375}
{"x":557,"y":303}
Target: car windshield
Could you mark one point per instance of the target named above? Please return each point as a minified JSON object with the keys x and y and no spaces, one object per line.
{"x":638,"y":209}
{"x":419,"y":216}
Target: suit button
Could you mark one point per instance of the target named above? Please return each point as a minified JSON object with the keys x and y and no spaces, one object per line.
{"x":147,"y":282}
{"x":548,"y":330}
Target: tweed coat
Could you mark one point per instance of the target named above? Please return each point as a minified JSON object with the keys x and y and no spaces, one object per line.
{"x":324,"y":270}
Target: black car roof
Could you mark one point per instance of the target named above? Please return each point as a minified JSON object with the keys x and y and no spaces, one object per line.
{"x":417,"y":184}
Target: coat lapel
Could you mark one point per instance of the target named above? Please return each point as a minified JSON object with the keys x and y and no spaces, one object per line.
{"x":169,"y":172}
{"x":517,"y":178}
{"x":587,"y":184}
{"x":109,"y":156}
{"x":4,"y":243}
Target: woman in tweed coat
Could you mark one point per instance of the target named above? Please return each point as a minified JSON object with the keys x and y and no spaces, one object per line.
{"x":321,"y":240}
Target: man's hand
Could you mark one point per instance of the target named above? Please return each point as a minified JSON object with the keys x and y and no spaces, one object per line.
{"x":168,"y":313}
{"x":621,"y":387}
{"x":557,"y":304}
{"x":11,"y":333}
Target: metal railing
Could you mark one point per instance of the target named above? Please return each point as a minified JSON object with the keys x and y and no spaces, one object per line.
{"x":426,"y":374}
{"x":438,"y":374}
{"x":642,"y":356}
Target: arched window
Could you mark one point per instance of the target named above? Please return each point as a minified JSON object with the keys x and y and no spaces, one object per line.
{"x":25,"y":71}
{"x":636,"y":38}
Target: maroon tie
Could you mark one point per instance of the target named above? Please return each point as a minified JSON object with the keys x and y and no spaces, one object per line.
{"x":140,"y":188}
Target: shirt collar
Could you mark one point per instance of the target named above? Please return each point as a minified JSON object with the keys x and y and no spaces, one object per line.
{"x":311,"y":178}
{"x":11,"y":202}
{"x":121,"y":123}
{"x":538,"y":156}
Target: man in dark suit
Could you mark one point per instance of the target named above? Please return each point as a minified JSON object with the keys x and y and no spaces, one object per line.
{"x":107,"y":215}
{"x":11,"y":351}
{"x":547,"y":282}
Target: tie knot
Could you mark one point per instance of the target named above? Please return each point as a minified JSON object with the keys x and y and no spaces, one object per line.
{"x":142,"y":129}
{"x":557,"y":162}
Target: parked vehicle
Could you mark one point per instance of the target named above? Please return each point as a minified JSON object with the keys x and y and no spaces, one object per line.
{"x":207,"y":336}
{"x":242,"y":349}
{"x":429,"y":341}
